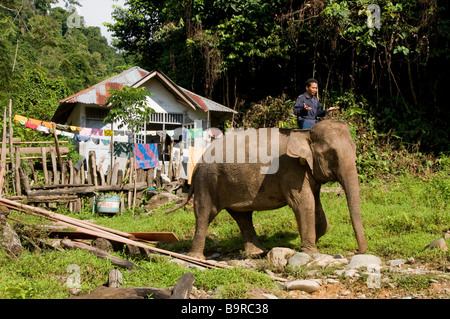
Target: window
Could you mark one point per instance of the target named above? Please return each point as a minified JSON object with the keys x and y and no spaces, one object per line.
{"x":94,"y":113}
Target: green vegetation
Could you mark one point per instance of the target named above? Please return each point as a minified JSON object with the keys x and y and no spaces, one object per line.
{"x":401,"y":216}
{"x":52,"y":61}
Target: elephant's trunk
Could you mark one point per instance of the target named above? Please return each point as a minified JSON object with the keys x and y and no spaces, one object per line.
{"x":349,"y":181}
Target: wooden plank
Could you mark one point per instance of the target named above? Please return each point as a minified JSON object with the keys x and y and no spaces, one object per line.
{"x":18,"y":140}
{"x":36,"y":150}
{"x":148,"y":236}
{"x":99,"y":231}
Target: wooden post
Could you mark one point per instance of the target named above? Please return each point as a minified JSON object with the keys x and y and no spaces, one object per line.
{"x":3,"y":155}
{"x":14,"y":175}
{"x":57,"y":145}
{"x":170,"y":173}
{"x":44,"y":165}
{"x":93,"y":168}
{"x":17,"y":174}
{"x":54,"y":165}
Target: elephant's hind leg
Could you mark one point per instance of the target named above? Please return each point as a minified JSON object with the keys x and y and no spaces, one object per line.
{"x":252,"y":245}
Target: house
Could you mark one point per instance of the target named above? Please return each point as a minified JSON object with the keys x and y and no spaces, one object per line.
{"x":176,"y":109}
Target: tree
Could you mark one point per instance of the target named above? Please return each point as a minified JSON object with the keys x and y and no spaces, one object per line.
{"x":129,"y":108}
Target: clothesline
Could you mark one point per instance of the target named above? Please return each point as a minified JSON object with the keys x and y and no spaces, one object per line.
{"x":73,"y":132}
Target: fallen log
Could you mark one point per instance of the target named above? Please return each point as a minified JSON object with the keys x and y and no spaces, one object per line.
{"x":126,"y":293}
{"x":99,"y":253}
{"x":148,"y":236}
{"x":104,"y":232}
{"x":183,"y":288}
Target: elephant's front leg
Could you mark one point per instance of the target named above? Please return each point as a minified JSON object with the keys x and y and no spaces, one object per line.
{"x":303,"y":205}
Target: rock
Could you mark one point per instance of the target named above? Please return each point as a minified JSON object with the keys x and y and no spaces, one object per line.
{"x":115,"y":278}
{"x":309,"y":286}
{"x":299,"y":259}
{"x":9,"y":240}
{"x":278,"y":257}
{"x":438,"y":243}
{"x":359,"y":261}
{"x":325,"y":261}
{"x":396,"y":262}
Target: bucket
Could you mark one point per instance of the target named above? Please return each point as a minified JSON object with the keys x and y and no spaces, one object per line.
{"x":108,"y":204}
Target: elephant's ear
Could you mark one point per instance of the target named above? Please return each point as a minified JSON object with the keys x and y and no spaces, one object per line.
{"x":298,"y":146}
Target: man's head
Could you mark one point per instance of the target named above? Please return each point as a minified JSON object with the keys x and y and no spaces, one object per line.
{"x":312,"y":87}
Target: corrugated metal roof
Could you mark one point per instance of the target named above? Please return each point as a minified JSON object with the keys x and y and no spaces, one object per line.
{"x":206,"y":104}
{"x":98,"y":93}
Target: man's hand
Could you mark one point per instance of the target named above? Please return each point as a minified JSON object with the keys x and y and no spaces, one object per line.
{"x":306,"y":107}
{"x":333,"y":108}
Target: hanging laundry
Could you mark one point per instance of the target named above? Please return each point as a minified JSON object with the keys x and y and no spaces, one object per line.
{"x":43,"y":129}
{"x":195,"y":133}
{"x":122,"y":149}
{"x":97,"y":131}
{"x":96,"y":140}
{"x":62,"y":127}
{"x":195,"y":153}
{"x":108,"y":132}
{"x":20,"y":118}
{"x":35,"y":122}
{"x":81,"y":138}
{"x":146,"y":155}
{"x":105,"y":141}
{"x":129,"y":133}
{"x":47,"y":124}
{"x":68,"y":134}
{"x":31,"y":125}
{"x":86,"y":131}
{"x":118,"y":132}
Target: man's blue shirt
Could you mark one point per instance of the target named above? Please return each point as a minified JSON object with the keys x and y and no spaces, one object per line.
{"x":311,"y":115}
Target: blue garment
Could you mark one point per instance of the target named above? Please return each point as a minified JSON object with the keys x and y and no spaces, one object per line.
{"x":306,"y":119}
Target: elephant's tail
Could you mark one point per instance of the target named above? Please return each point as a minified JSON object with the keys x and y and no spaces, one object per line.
{"x":191,"y":192}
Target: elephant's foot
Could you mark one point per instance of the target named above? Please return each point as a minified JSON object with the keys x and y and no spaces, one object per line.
{"x":196,"y":255}
{"x":309,"y":250}
{"x":254,"y":250}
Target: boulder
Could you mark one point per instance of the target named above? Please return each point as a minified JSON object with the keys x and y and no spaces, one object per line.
{"x":299,"y":259}
{"x":359,"y":261}
{"x":278,"y":257}
{"x":308,"y":286}
{"x":9,"y":240}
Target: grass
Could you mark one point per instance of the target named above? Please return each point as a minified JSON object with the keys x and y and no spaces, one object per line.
{"x":400,"y":217}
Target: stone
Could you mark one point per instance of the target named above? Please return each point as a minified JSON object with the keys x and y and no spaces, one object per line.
{"x":438,"y":243}
{"x":324,"y":261}
{"x":9,"y":240}
{"x":359,"y":261}
{"x":308,"y":286}
{"x":299,"y":259}
{"x":396,"y":262}
{"x":115,"y":278}
{"x":278,"y":257}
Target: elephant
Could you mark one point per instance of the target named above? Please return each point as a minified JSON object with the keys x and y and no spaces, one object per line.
{"x":306,"y":160}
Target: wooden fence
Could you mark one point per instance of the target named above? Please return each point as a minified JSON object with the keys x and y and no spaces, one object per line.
{"x":42,"y":174}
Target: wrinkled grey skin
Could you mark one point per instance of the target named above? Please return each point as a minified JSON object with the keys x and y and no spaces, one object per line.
{"x":307,"y":159}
